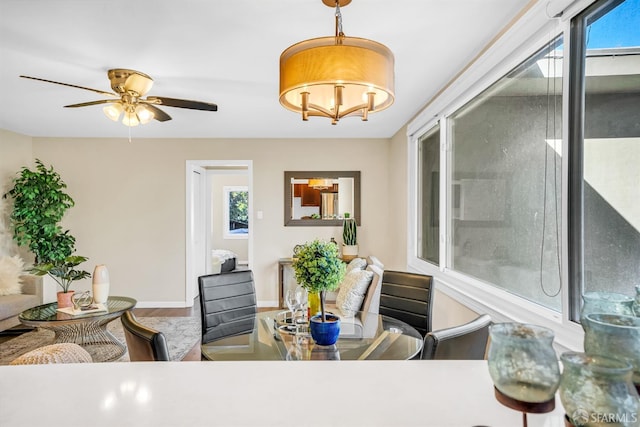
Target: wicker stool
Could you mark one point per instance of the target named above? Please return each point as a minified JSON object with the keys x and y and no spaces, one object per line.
{"x":54,"y":353}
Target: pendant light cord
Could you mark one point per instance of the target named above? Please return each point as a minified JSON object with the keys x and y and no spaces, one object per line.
{"x":339,"y":33}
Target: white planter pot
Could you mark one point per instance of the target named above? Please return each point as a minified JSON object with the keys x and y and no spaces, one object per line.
{"x":349,"y":252}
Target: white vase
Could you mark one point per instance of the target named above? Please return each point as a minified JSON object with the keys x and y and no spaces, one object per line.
{"x":100,"y":284}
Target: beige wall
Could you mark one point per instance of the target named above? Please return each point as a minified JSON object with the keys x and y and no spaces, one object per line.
{"x":130,"y":204}
{"x":448,"y":312}
{"x":398,"y":200}
{"x":15,"y":152}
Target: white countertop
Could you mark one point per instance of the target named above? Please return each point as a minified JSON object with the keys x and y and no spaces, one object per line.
{"x":176,"y":394}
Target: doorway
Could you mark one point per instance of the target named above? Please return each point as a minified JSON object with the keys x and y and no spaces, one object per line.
{"x":205,"y":198}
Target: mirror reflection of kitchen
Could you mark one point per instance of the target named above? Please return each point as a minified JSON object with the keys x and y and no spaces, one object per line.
{"x":321,"y":198}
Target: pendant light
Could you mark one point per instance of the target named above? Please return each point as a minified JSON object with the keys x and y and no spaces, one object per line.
{"x":336,"y":76}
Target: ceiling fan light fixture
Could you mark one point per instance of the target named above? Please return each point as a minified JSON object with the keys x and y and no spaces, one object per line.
{"x":129,"y":86}
{"x":144,"y":114}
{"x":130,"y":119}
{"x":113,"y":111}
{"x":336,"y":76}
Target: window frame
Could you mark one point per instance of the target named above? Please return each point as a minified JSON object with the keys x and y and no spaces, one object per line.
{"x":576,"y":108}
{"x":419,"y":224}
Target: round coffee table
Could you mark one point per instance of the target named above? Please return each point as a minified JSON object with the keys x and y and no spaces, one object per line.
{"x":87,"y":330}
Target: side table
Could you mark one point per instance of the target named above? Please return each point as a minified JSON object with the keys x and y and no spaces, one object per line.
{"x":87,"y":330}
{"x":282,"y":264}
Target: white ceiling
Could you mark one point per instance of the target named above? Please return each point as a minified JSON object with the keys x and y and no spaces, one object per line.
{"x":225,"y":52}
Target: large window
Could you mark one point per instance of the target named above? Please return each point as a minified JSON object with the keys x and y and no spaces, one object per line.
{"x":505,"y":181}
{"x":531,"y":222}
{"x":606,"y":157}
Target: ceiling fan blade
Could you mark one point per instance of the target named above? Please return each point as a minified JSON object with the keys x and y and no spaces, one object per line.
{"x":70,"y":85}
{"x":86,"y":104}
{"x":183,"y":103}
{"x":158,"y":114}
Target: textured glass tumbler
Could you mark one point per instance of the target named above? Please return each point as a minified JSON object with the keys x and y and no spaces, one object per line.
{"x":597,"y":390}
{"x":522,"y":362}
{"x":607,"y":303}
{"x":614,"y":336}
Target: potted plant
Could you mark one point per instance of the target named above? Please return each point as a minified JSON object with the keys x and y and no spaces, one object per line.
{"x":318,"y":268}
{"x":39,"y":203}
{"x":349,"y":238}
{"x":64,"y":273}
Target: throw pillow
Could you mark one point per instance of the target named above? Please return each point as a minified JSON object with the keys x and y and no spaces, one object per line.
{"x":10,"y":271}
{"x":356,"y":264}
{"x":353,"y":288}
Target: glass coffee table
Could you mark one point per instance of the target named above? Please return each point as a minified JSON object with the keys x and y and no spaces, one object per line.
{"x":87,"y":330}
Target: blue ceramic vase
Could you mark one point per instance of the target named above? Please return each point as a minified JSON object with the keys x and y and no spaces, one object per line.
{"x":325,"y":333}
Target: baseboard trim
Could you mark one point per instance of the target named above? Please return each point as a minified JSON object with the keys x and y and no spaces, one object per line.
{"x":273,"y":304}
{"x":182,"y":304}
{"x":162,"y":304}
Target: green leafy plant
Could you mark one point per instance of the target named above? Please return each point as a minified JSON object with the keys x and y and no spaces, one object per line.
{"x":39,"y":203}
{"x":349,"y":231}
{"x":63,"y":271}
{"x":318,"y":268}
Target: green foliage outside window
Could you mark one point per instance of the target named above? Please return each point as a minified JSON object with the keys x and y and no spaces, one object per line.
{"x":238,"y":209}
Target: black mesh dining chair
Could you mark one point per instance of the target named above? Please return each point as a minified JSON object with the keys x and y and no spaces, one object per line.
{"x":462,"y":342}
{"x":228,"y":304}
{"x":143,"y":343}
{"x":408,"y":297}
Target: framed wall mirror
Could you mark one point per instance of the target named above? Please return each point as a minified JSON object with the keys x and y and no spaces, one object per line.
{"x":317,"y":198}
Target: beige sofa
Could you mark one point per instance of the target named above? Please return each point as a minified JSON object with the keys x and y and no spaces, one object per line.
{"x":12,"y":305}
{"x":365,"y":323}
{"x":371,"y":303}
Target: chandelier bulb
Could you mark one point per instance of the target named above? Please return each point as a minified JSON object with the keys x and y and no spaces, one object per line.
{"x":113,"y":111}
{"x":144,"y":114}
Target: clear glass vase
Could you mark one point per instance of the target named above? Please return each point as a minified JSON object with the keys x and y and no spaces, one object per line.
{"x":597,"y":391}
{"x":615,"y":336}
{"x":636,"y":302}
{"x":606,"y":302}
{"x":522,"y":362}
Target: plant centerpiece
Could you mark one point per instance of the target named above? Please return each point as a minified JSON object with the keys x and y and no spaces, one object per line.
{"x":39,"y":203}
{"x":349,"y":238}
{"x":318,"y":269}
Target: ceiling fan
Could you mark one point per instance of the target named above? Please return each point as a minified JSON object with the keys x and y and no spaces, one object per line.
{"x":127,"y":99}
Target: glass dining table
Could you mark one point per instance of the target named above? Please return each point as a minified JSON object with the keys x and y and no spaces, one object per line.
{"x":366,"y":336}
